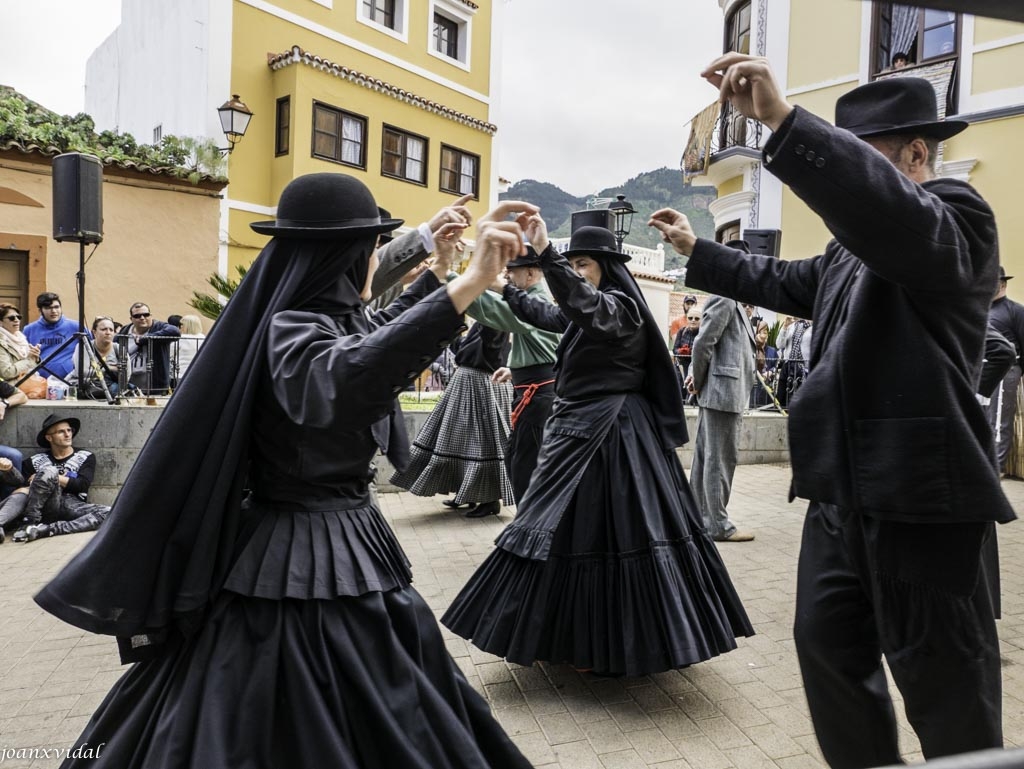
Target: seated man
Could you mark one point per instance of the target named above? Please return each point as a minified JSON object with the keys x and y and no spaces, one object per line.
{"x":54,"y":501}
{"x":147,"y":343}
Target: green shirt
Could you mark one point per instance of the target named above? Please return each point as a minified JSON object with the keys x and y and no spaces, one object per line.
{"x":530,"y":345}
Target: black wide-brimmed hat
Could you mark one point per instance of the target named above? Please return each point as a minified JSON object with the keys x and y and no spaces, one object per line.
{"x":324,"y":206}
{"x":895,"y":105}
{"x":52,"y":420}
{"x":594,"y":241}
{"x":1003,"y":275}
{"x":530,"y":259}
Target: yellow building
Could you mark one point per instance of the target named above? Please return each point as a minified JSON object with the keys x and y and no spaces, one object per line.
{"x":395,"y":92}
{"x":821,"y":49}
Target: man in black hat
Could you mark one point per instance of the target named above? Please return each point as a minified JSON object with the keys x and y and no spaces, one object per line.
{"x":531,"y":363}
{"x":54,"y":501}
{"x":1007,"y":316}
{"x":897,"y":466}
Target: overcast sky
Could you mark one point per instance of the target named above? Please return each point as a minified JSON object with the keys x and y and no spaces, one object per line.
{"x":593,"y":93}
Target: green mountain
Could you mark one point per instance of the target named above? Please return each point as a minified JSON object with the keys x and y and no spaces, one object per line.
{"x":647,"y":192}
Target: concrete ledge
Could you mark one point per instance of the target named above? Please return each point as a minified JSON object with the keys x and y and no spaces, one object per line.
{"x":116,"y":434}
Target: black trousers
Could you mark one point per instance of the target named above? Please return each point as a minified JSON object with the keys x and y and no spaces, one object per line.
{"x":914,"y":593}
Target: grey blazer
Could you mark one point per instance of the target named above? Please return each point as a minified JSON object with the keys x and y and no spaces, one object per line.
{"x":723,"y":357}
{"x":397,"y":258}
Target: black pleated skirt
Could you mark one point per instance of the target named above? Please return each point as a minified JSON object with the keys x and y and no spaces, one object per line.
{"x":633,"y":584}
{"x":320,"y":654}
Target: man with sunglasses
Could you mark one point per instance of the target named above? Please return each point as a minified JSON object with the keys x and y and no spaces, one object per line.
{"x":50,"y":332}
{"x":147,"y":345}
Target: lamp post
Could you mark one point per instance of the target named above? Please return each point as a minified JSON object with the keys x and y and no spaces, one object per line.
{"x":234,"y":119}
{"x":623,"y":212}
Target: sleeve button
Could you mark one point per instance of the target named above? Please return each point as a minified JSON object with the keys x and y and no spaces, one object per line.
{"x":819,"y":163}
{"x":799,"y":149}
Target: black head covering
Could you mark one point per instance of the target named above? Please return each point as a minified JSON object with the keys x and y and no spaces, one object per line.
{"x":661,"y":382}
{"x":168,"y":543}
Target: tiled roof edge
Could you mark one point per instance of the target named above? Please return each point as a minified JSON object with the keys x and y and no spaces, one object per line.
{"x":296,"y":55}
{"x":128,"y":165}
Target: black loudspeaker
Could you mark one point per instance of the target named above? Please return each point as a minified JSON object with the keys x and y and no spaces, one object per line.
{"x":766,"y":242}
{"x":593,"y":217}
{"x":77,"y":198}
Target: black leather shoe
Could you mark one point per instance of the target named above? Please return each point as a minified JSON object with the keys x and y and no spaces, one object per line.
{"x":455,"y":505}
{"x":484,"y":509}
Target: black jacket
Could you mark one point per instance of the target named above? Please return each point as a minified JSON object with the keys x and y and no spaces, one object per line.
{"x":887,"y":422}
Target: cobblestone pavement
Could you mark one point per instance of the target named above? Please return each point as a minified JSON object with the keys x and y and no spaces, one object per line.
{"x":745,"y":709}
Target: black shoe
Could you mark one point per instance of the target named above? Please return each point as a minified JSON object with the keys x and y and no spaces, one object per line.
{"x":484,"y":509}
{"x":3,"y":536}
{"x":32,"y":533}
{"x":454,"y":505}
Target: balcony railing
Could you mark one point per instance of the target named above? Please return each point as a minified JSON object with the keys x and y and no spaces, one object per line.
{"x":714,"y":130}
{"x":647,"y":260}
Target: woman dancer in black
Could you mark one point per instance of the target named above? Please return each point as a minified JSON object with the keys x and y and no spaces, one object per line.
{"x":280,"y":629}
{"x":461,"y":447}
{"x":607,"y":565}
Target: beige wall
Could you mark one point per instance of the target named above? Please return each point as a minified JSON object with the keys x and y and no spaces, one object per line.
{"x":826,"y":50}
{"x":997,"y":177}
{"x":159,"y":245}
{"x":990,"y":30}
{"x":998,"y":69}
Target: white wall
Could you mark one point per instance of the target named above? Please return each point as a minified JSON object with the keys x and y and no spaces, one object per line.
{"x":157,"y":69}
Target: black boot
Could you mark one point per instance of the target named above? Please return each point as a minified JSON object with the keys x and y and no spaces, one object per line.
{"x":451,"y":503}
{"x":484,"y":509}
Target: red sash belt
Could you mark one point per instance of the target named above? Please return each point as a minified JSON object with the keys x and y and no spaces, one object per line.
{"x":528,"y":391}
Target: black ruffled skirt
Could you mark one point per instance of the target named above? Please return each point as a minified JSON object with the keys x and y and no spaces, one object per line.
{"x":337,"y":662}
{"x":632,"y":584}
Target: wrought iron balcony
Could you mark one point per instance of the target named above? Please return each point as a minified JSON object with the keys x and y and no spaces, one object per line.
{"x":717,"y":129}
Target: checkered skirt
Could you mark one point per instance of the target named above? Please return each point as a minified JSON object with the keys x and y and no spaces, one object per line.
{"x":461,"y":447}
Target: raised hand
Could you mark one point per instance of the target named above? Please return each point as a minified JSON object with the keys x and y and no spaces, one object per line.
{"x":501,"y":211}
{"x":497,"y":242}
{"x":750,"y":85}
{"x":675,"y":229}
{"x":536,"y":230}
{"x":456,"y":213}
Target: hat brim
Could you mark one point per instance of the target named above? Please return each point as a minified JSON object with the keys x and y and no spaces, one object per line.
{"x":325,"y":233}
{"x":941,"y":130}
{"x":524,"y":262}
{"x":76,"y":425}
{"x":596,"y":252}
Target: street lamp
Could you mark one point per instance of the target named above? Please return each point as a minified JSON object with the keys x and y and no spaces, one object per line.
{"x":234,"y":119}
{"x":623,"y":212}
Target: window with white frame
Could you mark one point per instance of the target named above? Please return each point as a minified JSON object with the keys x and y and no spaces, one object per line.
{"x":389,"y":16}
{"x":404,"y":156}
{"x":339,"y":136}
{"x":450,"y":29}
{"x":460,"y":171}
{"x":158,"y":134}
